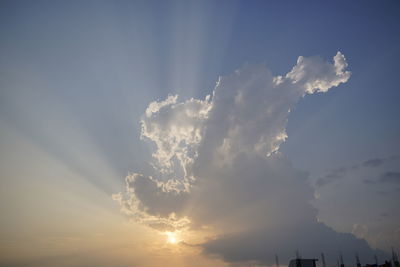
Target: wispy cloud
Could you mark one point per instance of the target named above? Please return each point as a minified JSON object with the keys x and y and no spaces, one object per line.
{"x":390,"y":177}
{"x":339,"y":173}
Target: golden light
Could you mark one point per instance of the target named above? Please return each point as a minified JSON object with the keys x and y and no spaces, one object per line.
{"x":171,"y":237}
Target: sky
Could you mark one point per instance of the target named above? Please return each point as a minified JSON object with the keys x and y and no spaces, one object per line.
{"x":198,"y":133}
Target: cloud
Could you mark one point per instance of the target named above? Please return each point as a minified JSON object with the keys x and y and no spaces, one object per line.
{"x":338,"y":173}
{"x":359,"y":230}
{"x":220,"y":167}
{"x":358,"y":196}
{"x":310,"y":239}
{"x":373,"y":162}
{"x":390,"y":177}
{"x":176,"y":129}
{"x":333,"y":175}
{"x":317,"y":75}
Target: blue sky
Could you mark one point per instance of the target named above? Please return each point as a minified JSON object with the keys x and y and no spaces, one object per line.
{"x":87,"y":52}
{"x":76,"y":77}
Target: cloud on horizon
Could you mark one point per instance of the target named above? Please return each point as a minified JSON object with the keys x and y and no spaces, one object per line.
{"x":219,"y":167}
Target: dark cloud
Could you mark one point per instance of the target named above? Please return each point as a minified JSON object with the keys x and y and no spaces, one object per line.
{"x":332,"y":176}
{"x":373,"y":162}
{"x":368,"y":181}
{"x":390,"y":177}
{"x":341,"y":172}
{"x":387,"y":177}
{"x":310,"y":239}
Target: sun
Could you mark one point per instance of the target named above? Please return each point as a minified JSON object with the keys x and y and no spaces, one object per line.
{"x":171,"y":237}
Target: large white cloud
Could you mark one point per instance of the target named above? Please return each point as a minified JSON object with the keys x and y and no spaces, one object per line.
{"x":219,"y":165}
{"x":176,"y":129}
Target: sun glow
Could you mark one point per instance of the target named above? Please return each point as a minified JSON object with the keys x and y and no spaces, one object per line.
{"x":171,"y":237}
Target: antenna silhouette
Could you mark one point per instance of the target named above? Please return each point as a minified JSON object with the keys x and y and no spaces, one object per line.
{"x":395,"y":259}
{"x":298,"y":262}
{"x":341,"y":260}
{"x":323,"y":260}
{"x":358,"y":260}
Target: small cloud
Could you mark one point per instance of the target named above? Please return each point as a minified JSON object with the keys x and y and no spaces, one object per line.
{"x":373,"y":162}
{"x":390,"y":177}
{"x":368,"y":181}
{"x":334,"y":175}
{"x":319,"y":76}
{"x":342,"y":172}
{"x":359,"y":230}
{"x":321,"y":182}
